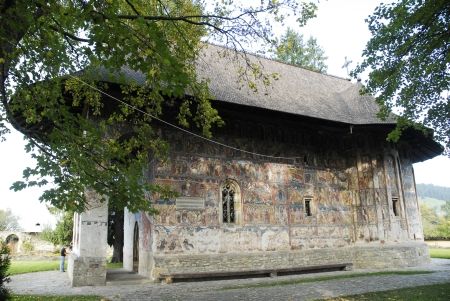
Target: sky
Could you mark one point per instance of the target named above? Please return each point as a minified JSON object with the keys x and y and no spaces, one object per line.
{"x":339,"y":29}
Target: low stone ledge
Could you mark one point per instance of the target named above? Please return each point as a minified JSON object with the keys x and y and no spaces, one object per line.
{"x":265,"y":272}
{"x":376,"y":255}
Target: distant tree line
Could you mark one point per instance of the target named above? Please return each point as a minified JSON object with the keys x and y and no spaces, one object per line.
{"x":436,"y":227}
{"x":8,"y":221}
{"x":432,"y":191}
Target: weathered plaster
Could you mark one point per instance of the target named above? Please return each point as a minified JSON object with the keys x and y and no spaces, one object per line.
{"x":87,"y":261}
{"x":350,"y":182}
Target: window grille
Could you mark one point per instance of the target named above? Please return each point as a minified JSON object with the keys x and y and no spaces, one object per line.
{"x":228,"y":194}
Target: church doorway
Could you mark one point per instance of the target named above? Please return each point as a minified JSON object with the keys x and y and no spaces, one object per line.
{"x":136,"y":248}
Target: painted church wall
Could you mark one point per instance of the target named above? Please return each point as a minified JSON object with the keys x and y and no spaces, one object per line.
{"x":350,"y":185}
{"x":272,"y":207}
{"x":411,"y":202}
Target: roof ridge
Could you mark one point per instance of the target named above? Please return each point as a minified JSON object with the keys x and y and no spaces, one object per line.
{"x":277,"y":61}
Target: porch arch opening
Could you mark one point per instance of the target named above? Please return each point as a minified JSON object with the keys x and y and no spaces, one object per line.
{"x":136,"y":248}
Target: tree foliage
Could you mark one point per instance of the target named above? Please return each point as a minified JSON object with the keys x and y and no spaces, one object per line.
{"x":63,"y":232}
{"x":434,"y":226}
{"x":408,"y":58}
{"x":446,"y":210}
{"x":293,"y":50}
{"x":8,"y":221}
{"x":82,"y":138}
{"x":115,"y":233}
{"x":4,"y":265}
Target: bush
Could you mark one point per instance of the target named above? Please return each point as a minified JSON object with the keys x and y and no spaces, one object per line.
{"x":27,"y":246}
{"x":4,"y":265}
{"x":46,"y":234}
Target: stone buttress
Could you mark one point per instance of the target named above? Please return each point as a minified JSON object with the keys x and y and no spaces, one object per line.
{"x":87,"y":260}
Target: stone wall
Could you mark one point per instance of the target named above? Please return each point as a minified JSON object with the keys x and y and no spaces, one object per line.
{"x":28,"y":243}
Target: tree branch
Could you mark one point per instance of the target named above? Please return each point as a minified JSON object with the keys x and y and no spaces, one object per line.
{"x":187,"y":18}
{"x":132,"y":7}
{"x":69,"y":35}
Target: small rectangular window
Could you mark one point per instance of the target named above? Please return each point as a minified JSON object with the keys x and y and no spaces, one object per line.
{"x":395,"y":207}
{"x":308,"y":207}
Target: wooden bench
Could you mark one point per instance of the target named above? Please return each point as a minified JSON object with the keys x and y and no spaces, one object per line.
{"x":169,"y":277}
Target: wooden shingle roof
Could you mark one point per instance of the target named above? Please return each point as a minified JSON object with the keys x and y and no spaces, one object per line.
{"x":296,"y":91}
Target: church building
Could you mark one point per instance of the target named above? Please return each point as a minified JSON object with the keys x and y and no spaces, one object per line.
{"x":300,"y":177}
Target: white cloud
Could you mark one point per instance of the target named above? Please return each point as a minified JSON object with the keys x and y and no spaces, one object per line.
{"x":24,"y":204}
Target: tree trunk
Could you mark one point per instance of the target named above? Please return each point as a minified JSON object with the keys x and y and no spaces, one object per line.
{"x":115,"y":235}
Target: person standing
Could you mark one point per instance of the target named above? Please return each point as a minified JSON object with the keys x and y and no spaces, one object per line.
{"x":63,"y":258}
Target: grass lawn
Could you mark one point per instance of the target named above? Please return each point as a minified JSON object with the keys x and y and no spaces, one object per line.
{"x":115,"y":265}
{"x":54,"y":298}
{"x":21,"y":267}
{"x":436,"y":292}
{"x":440,"y":253}
{"x":322,"y":278}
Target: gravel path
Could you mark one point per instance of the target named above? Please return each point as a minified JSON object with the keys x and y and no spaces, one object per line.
{"x":56,"y":283}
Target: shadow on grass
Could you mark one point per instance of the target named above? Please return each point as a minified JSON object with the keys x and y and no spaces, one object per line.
{"x":323,"y":278}
{"x":435,"y":292}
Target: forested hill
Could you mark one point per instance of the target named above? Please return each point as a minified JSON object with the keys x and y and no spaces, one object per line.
{"x":432,"y":191}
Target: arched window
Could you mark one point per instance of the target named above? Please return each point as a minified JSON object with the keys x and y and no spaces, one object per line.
{"x":230,"y":193}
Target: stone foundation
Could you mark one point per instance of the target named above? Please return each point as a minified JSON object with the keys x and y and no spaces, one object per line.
{"x":371,"y":256}
{"x":84,"y":271}
{"x":391,"y":255}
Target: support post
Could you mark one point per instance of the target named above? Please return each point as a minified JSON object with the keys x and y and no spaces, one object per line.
{"x":87,"y":261}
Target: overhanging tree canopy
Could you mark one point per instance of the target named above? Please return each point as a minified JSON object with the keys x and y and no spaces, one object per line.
{"x":77,"y":141}
{"x":409,"y":62}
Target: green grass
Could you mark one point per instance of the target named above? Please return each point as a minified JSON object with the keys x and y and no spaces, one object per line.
{"x":323,"y":278}
{"x":440,"y":253}
{"x":21,"y":267}
{"x":115,"y":265}
{"x":435,"y":292}
{"x":54,"y":298}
